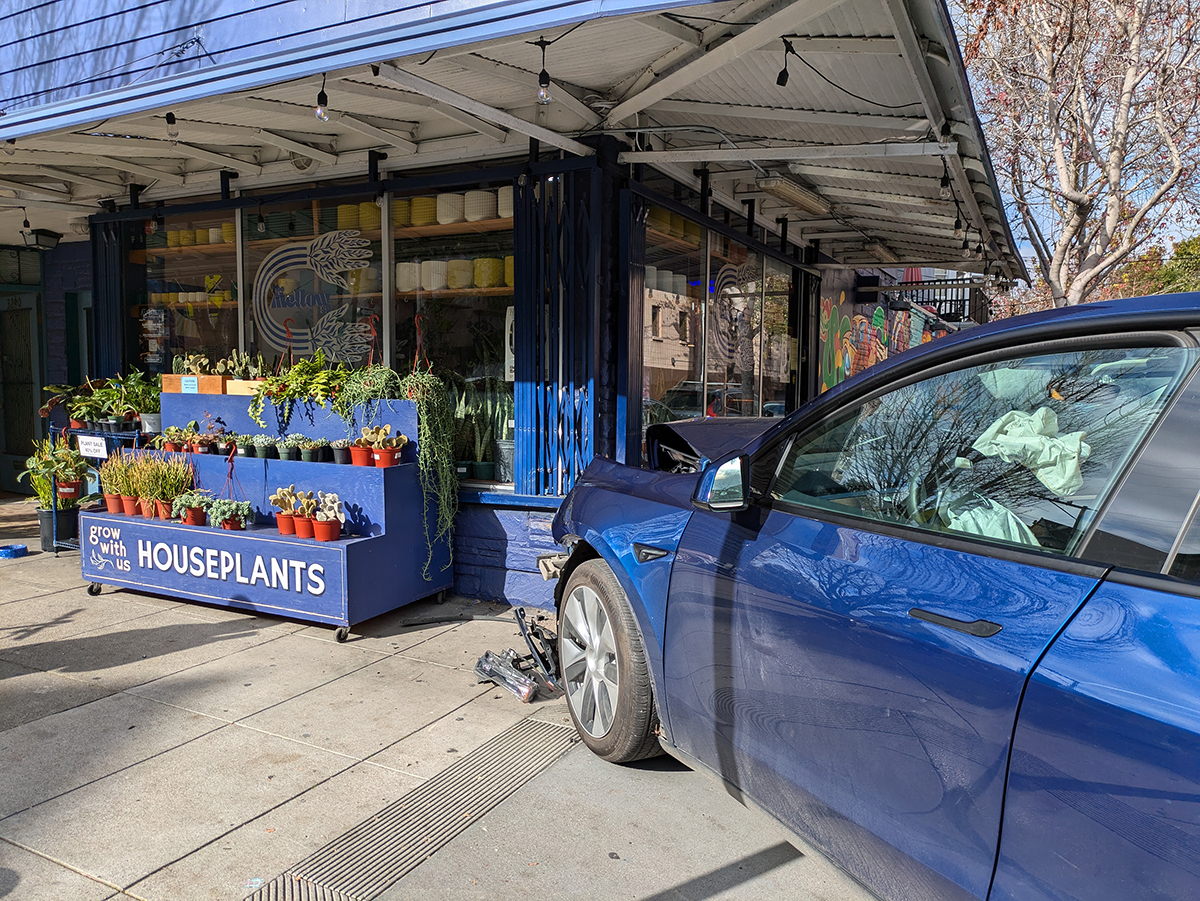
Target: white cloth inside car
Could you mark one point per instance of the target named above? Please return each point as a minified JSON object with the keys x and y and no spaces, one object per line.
{"x":1032,"y":439}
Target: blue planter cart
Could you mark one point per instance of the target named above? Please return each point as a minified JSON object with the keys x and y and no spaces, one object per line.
{"x":378,"y":565}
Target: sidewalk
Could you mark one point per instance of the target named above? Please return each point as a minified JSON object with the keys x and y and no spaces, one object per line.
{"x":170,"y":751}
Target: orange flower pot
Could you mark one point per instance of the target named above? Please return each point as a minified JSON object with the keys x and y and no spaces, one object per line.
{"x":195,"y":516}
{"x":162,"y":509}
{"x":326,"y":531}
{"x":304,"y":527}
{"x":112,"y":503}
{"x":69,"y":490}
{"x":286,"y":523}
{"x":233,"y":525}
{"x":129,"y":505}
{"x":362,"y":456}
{"x":387,"y":456}
{"x":147,"y":507}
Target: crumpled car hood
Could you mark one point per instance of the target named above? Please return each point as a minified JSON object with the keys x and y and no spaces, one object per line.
{"x":686,"y":446}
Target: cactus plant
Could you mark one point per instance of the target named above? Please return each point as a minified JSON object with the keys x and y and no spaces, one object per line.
{"x":330,"y":507}
{"x":380,"y":438}
{"x":284,"y":499}
{"x":306,"y":504}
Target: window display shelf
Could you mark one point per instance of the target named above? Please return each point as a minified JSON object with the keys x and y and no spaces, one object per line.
{"x":141,"y":256}
{"x":454,"y":228}
{"x":502,"y":291}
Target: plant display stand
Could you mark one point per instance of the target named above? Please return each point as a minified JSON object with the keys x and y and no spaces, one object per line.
{"x":378,"y":565}
{"x":96,"y":446}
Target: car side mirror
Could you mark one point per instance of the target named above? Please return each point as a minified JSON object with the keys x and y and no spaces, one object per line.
{"x":725,"y":485}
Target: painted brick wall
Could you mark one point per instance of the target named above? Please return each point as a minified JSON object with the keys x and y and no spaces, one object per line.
{"x":495,"y":555}
{"x":66,"y":268}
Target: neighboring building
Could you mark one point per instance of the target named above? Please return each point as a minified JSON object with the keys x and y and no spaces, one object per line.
{"x":680,"y":228}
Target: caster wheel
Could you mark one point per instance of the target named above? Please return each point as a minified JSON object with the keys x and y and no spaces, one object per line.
{"x":94,"y":589}
{"x":441,"y":597}
{"x":342,"y":634}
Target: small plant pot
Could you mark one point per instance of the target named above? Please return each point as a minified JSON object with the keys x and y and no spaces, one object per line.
{"x":172,"y":447}
{"x":147,"y":507}
{"x":233,"y":525}
{"x":387,"y":456}
{"x":310,"y":454}
{"x":129,"y":505}
{"x":362,"y":456}
{"x":286,"y":453}
{"x":200,"y":447}
{"x":327,"y":530}
{"x":286,"y":523}
{"x":485,"y":472}
{"x":77,"y":424}
{"x":162,"y":509}
{"x":304,"y":527}
{"x":68,"y":526}
{"x":241,"y":450}
{"x":341,"y":455}
{"x":112,"y":503}
{"x":464,"y":469}
{"x":267,"y":452}
{"x":70,"y":490}
{"x":195,"y":516}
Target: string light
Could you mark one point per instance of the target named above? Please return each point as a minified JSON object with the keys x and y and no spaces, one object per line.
{"x":543,"y":92}
{"x":10,"y":146}
{"x":261,"y":225}
{"x":172,"y":127}
{"x":958,"y":227}
{"x":320,"y":110}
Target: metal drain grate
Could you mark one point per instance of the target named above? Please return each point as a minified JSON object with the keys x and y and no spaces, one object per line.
{"x":376,"y":853}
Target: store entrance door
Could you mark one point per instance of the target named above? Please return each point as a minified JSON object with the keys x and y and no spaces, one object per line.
{"x":19,"y":386}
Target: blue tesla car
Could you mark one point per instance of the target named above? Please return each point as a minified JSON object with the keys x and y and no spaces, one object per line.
{"x":943,"y":622}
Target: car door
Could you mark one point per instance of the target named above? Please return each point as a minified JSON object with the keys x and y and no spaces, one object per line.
{"x":851,"y":654}
{"x":1103,"y":795}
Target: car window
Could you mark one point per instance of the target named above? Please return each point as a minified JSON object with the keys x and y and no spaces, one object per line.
{"x":1187,"y":560}
{"x":1019,"y":451}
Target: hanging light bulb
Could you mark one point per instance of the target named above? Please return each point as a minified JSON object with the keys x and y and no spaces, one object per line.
{"x":261,"y":225}
{"x":966,"y":249}
{"x":172,"y":127}
{"x":958,"y":227}
{"x":320,"y":110}
{"x":25,"y":224}
{"x":979,"y":251}
{"x":543,"y":91}
{"x":944,"y":188}
{"x":10,"y":146}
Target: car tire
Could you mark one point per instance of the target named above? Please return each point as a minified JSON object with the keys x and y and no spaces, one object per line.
{"x":601,"y":655}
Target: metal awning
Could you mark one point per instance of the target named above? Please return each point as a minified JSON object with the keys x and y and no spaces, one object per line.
{"x":872,"y":145}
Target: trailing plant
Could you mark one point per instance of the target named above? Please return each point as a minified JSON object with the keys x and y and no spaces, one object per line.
{"x":225,"y":509}
{"x":189,"y":501}
{"x":365,"y":388}
{"x":305,"y":381}
{"x":435,"y":458}
{"x":284,"y":499}
{"x":329,"y":507}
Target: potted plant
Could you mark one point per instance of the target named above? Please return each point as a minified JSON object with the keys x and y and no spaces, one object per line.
{"x":195,"y":366}
{"x":362,"y":451}
{"x":289,"y":447}
{"x":386,"y":449}
{"x":172,"y":477}
{"x":265,"y":447}
{"x":341,"y":450}
{"x":247,"y":446}
{"x":306,"y":381}
{"x":114,"y":481}
{"x":134,"y":476}
{"x":142,"y":392}
{"x":50,"y":507}
{"x":502,"y":428}
{"x":245,"y":372}
{"x":285,"y":500}
{"x":435,"y":458}
{"x":464,"y":433}
{"x":231,"y":514}
{"x":60,"y":462}
{"x":306,"y":509}
{"x":173,"y":438}
{"x":312,"y":450}
{"x":327,"y":523}
{"x":192,"y":507}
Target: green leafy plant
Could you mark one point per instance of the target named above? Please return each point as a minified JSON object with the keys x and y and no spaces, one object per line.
{"x":225,"y":509}
{"x":41,"y":468}
{"x":307,"y":381}
{"x":365,"y":388}
{"x":114,"y":473}
{"x":435,"y":458}
{"x":190,"y":501}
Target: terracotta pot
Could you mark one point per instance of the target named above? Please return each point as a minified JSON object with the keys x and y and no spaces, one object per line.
{"x":162,"y":509}
{"x":304,"y":527}
{"x":233,"y":525}
{"x":112,"y":503}
{"x":199,"y":447}
{"x":286,"y":523}
{"x":77,"y":424}
{"x":387,"y":456}
{"x":171,"y":446}
{"x":129,"y":505}
{"x":69,"y":489}
{"x":326,"y":531}
{"x":195,"y":516}
{"x":362,"y":456}
{"x":147,"y":505}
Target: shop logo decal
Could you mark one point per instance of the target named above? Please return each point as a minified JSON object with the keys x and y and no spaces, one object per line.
{"x":330,"y":256}
{"x":107,"y":549}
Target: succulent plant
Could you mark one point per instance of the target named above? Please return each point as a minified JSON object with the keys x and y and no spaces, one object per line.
{"x":306,"y":504}
{"x":225,"y":509}
{"x":241,"y":365}
{"x":313,"y":443}
{"x":340,"y":443}
{"x":330,"y":507}
{"x":190,"y":500}
{"x":295,"y":440}
{"x":380,"y":438}
{"x":264,"y":441}
{"x":192,"y":364}
{"x":284,"y":499}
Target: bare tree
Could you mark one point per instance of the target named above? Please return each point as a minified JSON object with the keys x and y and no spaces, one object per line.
{"x":1092,"y":112}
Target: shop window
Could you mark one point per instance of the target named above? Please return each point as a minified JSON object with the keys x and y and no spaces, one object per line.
{"x":190,"y":304}
{"x":778,"y":353}
{"x":674,"y":288}
{"x":734,"y":325}
{"x":315,"y":273}
{"x":453,"y":310}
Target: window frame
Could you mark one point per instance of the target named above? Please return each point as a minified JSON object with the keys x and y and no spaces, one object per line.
{"x":824,"y":412}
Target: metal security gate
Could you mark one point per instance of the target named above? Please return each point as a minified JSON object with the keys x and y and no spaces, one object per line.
{"x":20,"y":384}
{"x":558,"y":245}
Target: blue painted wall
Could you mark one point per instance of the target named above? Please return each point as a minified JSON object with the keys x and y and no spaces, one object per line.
{"x":495,"y":554}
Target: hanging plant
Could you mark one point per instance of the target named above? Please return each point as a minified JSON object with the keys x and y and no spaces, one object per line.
{"x":365,"y":388}
{"x":435,"y":457}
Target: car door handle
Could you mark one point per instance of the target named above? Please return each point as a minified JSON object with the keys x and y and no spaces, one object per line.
{"x":980,"y":627}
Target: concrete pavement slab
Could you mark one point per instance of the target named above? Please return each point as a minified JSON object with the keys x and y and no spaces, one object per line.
{"x":130,"y":824}
{"x":46,"y":758}
{"x":241,"y":684}
{"x":29,"y":877}
{"x":28,"y":694}
{"x":126,"y":654}
{"x":371,"y":708}
{"x":240,"y":862}
{"x":653,"y":832}
{"x":463,"y":645}
{"x":64,"y":613}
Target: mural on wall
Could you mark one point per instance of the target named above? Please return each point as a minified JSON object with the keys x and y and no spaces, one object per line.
{"x":335,"y":257}
{"x":857,"y":335}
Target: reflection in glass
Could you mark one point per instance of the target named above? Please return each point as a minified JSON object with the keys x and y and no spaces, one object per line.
{"x":1021,"y":451}
{"x":734,"y":329}
{"x":1187,"y":560}
{"x":777,"y":359}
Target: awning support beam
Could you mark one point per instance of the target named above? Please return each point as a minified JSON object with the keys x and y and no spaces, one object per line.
{"x":805,"y":152}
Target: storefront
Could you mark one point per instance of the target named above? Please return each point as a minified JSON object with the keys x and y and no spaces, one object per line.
{"x":575,"y":269}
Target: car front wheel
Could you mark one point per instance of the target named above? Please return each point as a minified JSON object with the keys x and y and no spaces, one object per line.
{"x":604,"y":667}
